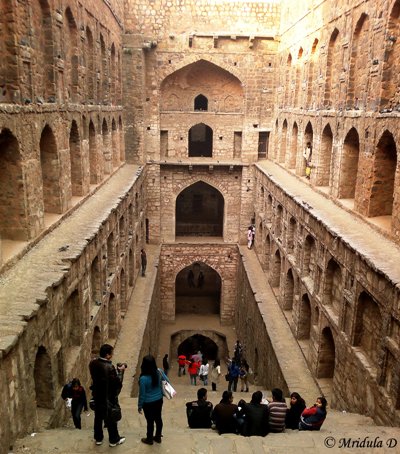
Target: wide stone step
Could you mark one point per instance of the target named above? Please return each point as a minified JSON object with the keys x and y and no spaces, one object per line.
{"x":178,"y":438}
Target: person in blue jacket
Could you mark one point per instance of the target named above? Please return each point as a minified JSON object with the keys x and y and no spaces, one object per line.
{"x":151,"y":398}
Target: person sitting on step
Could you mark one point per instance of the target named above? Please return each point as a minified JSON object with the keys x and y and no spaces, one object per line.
{"x":199,"y":411}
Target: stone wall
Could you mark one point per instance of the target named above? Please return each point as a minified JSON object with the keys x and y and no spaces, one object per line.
{"x":338,"y":91}
{"x":168,"y":181}
{"x":341,"y":307}
{"x":66,"y":304}
{"x":251,"y":329}
{"x":178,"y":67}
{"x":223,"y":258}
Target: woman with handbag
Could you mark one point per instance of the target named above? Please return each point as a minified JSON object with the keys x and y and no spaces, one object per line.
{"x":151,"y":398}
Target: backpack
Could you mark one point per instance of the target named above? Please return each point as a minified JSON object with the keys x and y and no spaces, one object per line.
{"x":66,"y":391}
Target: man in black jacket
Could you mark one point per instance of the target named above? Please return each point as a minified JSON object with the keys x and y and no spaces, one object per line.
{"x":255,"y":416}
{"x":199,"y":411}
{"x":106,"y":386}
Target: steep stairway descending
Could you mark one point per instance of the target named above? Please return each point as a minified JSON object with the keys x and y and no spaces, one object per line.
{"x":178,"y":438}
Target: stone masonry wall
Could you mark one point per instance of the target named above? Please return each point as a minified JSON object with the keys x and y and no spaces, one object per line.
{"x":66,"y":303}
{"x":338,"y":91}
{"x":341,"y":307}
{"x":223,"y":258}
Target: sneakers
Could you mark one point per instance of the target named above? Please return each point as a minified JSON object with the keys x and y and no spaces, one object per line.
{"x":146,"y":441}
{"x":119,"y":442}
{"x":99,"y":443}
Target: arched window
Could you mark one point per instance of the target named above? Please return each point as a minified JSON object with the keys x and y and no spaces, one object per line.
{"x":199,"y":211}
{"x":201,"y":103}
{"x":200,"y":141}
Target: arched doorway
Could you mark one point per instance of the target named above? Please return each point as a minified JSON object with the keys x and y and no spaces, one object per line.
{"x":199,"y":211}
{"x":42,"y":373}
{"x":96,"y":342}
{"x":198,"y":290}
{"x":200,"y":141}
{"x":199,"y":342}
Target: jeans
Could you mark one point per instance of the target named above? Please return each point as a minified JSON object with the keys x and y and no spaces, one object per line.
{"x":152,"y":413}
{"x":193,"y":379}
{"x":181,"y":371}
{"x":233,"y":384}
{"x":205,"y":380}
{"x":100,"y":416}
{"x":76,"y":410}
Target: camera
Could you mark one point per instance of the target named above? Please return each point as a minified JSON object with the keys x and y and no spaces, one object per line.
{"x":119,"y":365}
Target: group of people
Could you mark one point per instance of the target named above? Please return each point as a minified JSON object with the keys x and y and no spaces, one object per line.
{"x":199,"y":367}
{"x":257,"y":417}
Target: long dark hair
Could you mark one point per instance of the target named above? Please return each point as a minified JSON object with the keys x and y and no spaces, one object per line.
{"x":299,"y":400}
{"x":149,"y":367}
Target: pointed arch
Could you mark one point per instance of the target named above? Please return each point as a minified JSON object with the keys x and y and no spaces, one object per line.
{"x":93,"y":159}
{"x":349,"y":165}
{"x":71,"y":57}
{"x":383,"y":177}
{"x":359,"y":68}
{"x":323,"y":176}
{"x":297,"y":81}
{"x":391,"y":77}
{"x":50,"y":166}
{"x":90,"y":69}
{"x":107,"y":151}
{"x":199,"y":211}
{"x":293,"y":146}
{"x":104,"y":97}
{"x":304,"y":323}
{"x":326,"y":355}
{"x":9,"y":82}
{"x":44,"y":68}
{"x":13,"y":216}
{"x":331,"y":67}
{"x":76,"y":160}
{"x":311,"y":76}
{"x":200,"y":102}
{"x":282,"y":150}
{"x":288,"y":80}
{"x":200,"y":141}
{"x":198,"y":289}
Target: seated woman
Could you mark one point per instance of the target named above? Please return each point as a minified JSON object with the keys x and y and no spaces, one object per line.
{"x":297,"y":406}
{"x":313,"y":418}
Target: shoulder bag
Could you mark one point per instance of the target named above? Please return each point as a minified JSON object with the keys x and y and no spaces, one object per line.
{"x":166,"y":387}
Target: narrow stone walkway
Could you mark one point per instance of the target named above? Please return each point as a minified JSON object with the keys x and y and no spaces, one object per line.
{"x":25,"y":284}
{"x":288,"y":353}
{"x":374,"y":247}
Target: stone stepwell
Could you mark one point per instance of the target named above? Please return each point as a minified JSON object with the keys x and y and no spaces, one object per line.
{"x":341,"y":433}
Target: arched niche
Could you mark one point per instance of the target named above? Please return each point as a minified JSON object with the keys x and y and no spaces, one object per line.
{"x":326,"y":356}
{"x":201,"y":103}
{"x":204,"y":78}
{"x":43,"y":376}
{"x":198,"y":290}
{"x":200,"y":141}
{"x":199,"y":211}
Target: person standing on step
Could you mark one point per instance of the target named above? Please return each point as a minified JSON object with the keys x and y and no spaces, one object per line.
{"x":76,"y":392}
{"x":193,"y":369}
{"x":215,"y":374}
{"x":105,"y":389}
{"x":165,"y":364}
{"x":143,"y":260}
{"x":203,"y":372}
{"x":150,"y":399}
{"x":244,"y":376}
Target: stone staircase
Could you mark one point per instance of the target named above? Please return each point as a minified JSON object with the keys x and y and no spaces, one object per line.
{"x":178,"y":438}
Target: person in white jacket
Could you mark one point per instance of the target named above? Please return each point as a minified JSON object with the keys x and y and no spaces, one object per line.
{"x":203,"y":372}
{"x":215,"y":374}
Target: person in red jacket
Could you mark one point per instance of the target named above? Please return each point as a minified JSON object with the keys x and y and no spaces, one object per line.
{"x":193,"y":369}
{"x":312,"y":418}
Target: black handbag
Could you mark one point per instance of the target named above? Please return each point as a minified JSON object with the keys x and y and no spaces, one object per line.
{"x":114,"y":413}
